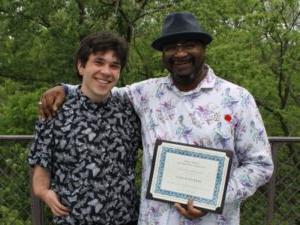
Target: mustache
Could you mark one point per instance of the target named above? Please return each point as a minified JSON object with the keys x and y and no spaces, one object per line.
{"x":185,"y":59}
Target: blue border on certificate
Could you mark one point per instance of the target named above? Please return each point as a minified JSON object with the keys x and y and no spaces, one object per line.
{"x":219,"y":159}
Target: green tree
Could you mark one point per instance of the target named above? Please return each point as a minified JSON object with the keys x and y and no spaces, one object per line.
{"x":256,"y":44}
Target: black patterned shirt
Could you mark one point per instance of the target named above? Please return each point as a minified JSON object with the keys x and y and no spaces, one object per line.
{"x":90,"y":150}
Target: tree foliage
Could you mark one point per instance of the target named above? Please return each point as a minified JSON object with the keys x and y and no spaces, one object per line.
{"x":256,"y":45}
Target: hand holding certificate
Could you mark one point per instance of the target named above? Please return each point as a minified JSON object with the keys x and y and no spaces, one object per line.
{"x":181,"y":172}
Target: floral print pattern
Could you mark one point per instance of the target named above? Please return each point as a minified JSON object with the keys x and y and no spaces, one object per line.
{"x":217,"y":114}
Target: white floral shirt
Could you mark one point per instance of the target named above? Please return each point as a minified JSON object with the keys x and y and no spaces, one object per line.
{"x":217,"y":114}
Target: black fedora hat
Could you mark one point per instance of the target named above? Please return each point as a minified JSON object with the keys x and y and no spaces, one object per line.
{"x":180,"y":26}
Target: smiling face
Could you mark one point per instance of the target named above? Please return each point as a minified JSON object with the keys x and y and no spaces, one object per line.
{"x":184,"y":60}
{"x":99,"y":75}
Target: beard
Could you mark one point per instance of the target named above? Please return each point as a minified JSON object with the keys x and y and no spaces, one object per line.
{"x":183,"y":79}
{"x":190,"y":76}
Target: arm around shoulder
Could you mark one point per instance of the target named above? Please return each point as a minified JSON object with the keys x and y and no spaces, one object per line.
{"x":52,"y":99}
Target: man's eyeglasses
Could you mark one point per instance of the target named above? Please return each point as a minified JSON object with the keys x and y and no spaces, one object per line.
{"x":185,"y":46}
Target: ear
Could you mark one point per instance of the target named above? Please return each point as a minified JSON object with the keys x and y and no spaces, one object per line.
{"x":204,"y":46}
{"x":80,"y":68}
{"x":163,"y":60}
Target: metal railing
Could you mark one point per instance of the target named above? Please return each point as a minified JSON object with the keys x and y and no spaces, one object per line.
{"x":276,"y":142}
{"x":37,"y":215}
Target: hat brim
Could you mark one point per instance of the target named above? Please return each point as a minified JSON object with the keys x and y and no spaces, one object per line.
{"x":161,"y":41}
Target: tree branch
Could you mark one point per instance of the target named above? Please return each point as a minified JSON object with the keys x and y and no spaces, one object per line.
{"x":296,"y":98}
{"x":153,"y":11}
{"x":129,"y":25}
{"x":41,"y":21}
{"x":82,"y":16}
{"x":277,"y":114}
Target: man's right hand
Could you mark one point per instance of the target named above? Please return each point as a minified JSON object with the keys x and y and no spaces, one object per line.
{"x":51,"y":199}
{"x":50,"y":101}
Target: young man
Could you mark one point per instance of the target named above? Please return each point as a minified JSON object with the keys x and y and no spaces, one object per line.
{"x":194,"y":106}
{"x":83,"y":159}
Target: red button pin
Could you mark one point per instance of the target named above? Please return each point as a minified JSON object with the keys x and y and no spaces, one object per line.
{"x":227,"y":117}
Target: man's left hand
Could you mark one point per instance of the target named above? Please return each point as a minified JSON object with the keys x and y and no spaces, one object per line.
{"x":190,"y":211}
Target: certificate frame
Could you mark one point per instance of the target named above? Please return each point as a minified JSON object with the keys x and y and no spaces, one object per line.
{"x":181,"y":171}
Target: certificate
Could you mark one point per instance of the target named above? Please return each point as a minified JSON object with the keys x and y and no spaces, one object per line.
{"x":180,"y":172}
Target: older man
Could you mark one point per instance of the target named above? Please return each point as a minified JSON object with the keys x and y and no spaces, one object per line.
{"x":193,"y":105}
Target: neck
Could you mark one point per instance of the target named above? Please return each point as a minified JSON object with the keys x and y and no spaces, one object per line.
{"x":194,"y":83}
{"x":92,"y":97}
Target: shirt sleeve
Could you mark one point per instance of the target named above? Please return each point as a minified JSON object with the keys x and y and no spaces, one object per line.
{"x":132,"y":93}
{"x":71,"y":89}
{"x":138,"y":94}
{"x":253,"y":153}
{"x":41,"y":148}
{"x":125,"y":94}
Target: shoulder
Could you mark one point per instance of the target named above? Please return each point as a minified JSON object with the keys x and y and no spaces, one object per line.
{"x":153,"y":82}
{"x":44,"y":126}
{"x":227,"y":87}
{"x":71,"y":104}
{"x":139,"y":89}
{"x":120,"y":103}
{"x":232,"y":96}
{"x":147,"y":87}
{"x":221,"y":85}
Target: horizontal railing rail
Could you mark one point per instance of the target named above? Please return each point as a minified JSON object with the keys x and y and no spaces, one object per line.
{"x":36,"y":205}
{"x":16,"y":137}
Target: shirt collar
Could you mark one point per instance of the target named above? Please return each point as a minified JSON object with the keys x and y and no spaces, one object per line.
{"x":208,"y":82}
{"x":86,"y":103}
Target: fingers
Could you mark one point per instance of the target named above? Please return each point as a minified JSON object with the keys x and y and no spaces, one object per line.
{"x":189,"y":211}
{"x":192,"y":210}
{"x":58,"y":101}
{"x":181,"y":210}
{"x":54,"y":204}
{"x":50,"y":101}
{"x":40,"y":111}
{"x":46,"y":112}
{"x":58,"y":209}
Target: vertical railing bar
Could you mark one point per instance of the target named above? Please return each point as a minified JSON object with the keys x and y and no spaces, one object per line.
{"x":36,"y":206}
{"x":271,"y":185}
{"x":37,"y":213}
